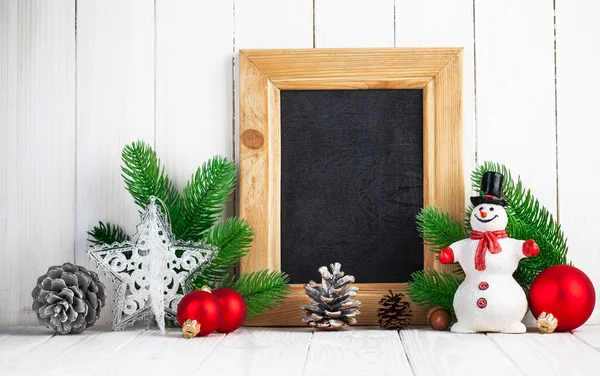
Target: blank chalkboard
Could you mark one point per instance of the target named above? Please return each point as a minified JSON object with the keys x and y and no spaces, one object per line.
{"x":351,"y":183}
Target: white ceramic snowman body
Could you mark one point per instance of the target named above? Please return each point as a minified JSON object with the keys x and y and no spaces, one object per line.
{"x":489,"y":299}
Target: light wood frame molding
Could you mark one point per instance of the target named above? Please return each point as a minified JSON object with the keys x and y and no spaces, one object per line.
{"x":264,"y":73}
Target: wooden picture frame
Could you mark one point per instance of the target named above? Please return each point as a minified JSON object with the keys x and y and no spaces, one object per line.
{"x":264,"y":73}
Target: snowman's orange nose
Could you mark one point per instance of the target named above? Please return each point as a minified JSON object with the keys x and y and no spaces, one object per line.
{"x":483,"y":214}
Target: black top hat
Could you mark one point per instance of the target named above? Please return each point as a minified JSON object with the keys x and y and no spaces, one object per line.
{"x":491,"y":189}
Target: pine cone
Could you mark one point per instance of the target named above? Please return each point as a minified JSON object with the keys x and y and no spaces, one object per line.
{"x":68,"y":298}
{"x":395,"y":313}
{"x":334,"y":305}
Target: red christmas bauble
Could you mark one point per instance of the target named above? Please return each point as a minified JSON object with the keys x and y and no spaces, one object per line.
{"x":566,"y":292}
{"x":203,"y":307}
{"x":234,"y":309}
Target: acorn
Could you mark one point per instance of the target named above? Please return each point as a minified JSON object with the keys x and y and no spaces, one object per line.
{"x":439,"y":318}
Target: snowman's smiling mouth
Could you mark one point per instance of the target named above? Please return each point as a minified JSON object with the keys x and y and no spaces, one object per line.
{"x":486,"y":220}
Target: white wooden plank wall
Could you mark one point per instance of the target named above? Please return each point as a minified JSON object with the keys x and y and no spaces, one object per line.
{"x":514,"y":49}
{"x":194,"y":97}
{"x":115,"y":106}
{"x":164,"y":71}
{"x":577,"y":34}
{"x":37,"y":147}
{"x":349,"y":23}
{"x":273,"y":24}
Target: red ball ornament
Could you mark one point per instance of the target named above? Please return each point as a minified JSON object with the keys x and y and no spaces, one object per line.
{"x":234,"y":309}
{"x":565,"y":292}
{"x":199,"y":313}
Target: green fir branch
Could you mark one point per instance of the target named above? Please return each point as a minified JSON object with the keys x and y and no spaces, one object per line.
{"x":431,"y":288}
{"x":144,"y":177}
{"x":528,"y":219}
{"x":204,"y":196}
{"x":107,"y":234}
{"x":194,"y":215}
{"x":261,"y":290}
{"x":233,"y":237}
{"x":438,"y":229}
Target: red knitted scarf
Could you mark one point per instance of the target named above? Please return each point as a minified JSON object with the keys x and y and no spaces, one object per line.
{"x":487,"y":241}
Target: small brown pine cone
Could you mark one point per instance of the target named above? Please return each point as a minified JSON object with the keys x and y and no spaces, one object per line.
{"x":395,"y":312}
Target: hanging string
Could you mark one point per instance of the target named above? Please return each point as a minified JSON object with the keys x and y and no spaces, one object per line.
{"x":165,"y":210}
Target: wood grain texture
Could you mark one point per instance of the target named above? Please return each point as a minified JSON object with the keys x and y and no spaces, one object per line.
{"x":256,"y":351}
{"x":345,"y":83}
{"x":353,"y":23}
{"x":434,"y":23}
{"x":85,"y":351}
{"x":268,"y":351}
{"x":274,"y":180}
{"x":448,"y":154}
{"x":37,"y":147}
{"x":255,"y":187}
{"x":429,"y":187}
{"x":194,"y":97}
{"x":260,"y":71}
{"x":352,"y":64}
{"x":17,"y":340}
{"x":540,"y":354}
{"x":444,"y":353}
{"x":161,"y":354}
{"x":577,"y":100}
{"x":354,"y":352}
{"x":515,"y":91}
{"x":589,"y":334}
{"x":115,"y":106}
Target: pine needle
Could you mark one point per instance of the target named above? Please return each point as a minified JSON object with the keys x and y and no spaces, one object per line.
{"x":431,"y":288}
{"x":261,"y":290}
{"x":233,"y":237}
{"x":144,"y":177}
{"x":107,"y":234}
{"x":438,"y":229}
{"x":204,"y":196}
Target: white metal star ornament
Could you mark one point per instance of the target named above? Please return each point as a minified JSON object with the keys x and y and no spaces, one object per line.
{"x":148,"y":273}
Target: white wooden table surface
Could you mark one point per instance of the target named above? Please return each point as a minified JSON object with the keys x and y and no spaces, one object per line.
{"x":298,"y":351}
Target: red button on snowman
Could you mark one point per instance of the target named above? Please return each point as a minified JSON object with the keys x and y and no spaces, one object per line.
{"x":489,"y":299}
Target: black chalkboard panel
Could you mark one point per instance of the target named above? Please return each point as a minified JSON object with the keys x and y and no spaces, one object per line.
{"x":351,"y":183}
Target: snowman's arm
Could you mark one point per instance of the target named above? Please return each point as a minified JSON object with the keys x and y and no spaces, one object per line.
{"x":452,"y":253}
{"x":530,"y":248}
{"x":446,"y":256}
{"x":527,"y":248}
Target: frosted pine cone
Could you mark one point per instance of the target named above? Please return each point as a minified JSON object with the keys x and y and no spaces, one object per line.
{"x":334,"y":305}
{"x":68,"y":298}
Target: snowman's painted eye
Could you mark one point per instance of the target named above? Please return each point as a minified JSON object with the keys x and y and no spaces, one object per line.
{"x":491,"y":208}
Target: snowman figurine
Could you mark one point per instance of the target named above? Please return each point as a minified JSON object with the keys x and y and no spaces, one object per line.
{"x":489,"y":299}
